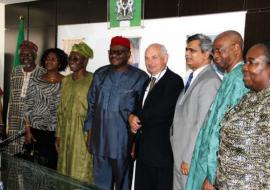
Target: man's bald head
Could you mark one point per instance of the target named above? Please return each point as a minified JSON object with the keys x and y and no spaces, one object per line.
{"x":228,"y":49}
{"x":156,"y":58}
{"x":234,"y":36}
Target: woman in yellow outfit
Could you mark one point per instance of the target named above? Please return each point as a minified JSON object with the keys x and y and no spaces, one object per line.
{"x":74,"y":159}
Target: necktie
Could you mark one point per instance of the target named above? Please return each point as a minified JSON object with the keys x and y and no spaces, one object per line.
{"x":189,"y":81}
{"x":152,"y":83}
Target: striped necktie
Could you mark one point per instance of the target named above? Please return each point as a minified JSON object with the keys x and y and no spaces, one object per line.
{"x":152,"y":83}
{"x":188,"y":81}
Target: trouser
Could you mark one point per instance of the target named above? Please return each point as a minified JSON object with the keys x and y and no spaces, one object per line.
{"x":153,"y":178}
{"x":45,"y":151}
{"x":111,"y":172}
{"x":179,"y":180}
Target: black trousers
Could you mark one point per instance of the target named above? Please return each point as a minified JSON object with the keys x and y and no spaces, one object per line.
{"x":44,"y":149}
{"x":152,"y":177}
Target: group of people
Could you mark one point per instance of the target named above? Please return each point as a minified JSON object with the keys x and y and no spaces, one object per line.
{"x":51,"y":108}
{"x":229,"y":149}
{"x":211,"y":131}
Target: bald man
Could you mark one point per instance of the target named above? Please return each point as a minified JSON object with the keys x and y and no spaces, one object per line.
{"x":227,"y":50}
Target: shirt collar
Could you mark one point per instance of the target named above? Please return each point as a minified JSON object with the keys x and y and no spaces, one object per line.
{"x":160,"y":74}
{"x":197,"y":71}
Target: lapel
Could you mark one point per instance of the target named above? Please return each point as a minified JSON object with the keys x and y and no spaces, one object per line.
{"x":156,"y":87}
{"x":143,"y":92}
{"x":194,"y":83}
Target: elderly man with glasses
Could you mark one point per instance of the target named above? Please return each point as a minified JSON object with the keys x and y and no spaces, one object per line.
{"x":115,"y":89}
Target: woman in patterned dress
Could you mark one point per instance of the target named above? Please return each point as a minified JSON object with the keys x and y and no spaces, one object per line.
{"x":244,"y":155}
{"x":43,"y":97}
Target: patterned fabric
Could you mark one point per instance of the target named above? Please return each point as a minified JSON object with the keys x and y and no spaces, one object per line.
{"x":74,"y":159}
{"x":26,"y":44}
{"x":204,"y":158}
{"x":16,"y":106}
{"x":244,"y":148}
{"x":41,"y":104}
{"x":83,"y":49}
{"x":26,"y":80}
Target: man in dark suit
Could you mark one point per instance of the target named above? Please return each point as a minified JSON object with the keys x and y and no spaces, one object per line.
{"x":152,"y":122}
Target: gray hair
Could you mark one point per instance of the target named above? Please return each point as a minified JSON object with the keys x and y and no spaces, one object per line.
{"x":205,"y":42}
{"x":163,"y":49}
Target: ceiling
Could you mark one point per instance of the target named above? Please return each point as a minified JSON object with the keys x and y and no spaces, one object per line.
{"x":13,"y":1}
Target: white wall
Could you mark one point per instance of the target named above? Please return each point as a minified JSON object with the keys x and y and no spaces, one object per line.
{"x":171,"y":32}
{"x":2,"y":43}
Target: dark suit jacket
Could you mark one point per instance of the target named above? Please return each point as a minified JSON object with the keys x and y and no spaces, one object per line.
{"x":153,"y":140}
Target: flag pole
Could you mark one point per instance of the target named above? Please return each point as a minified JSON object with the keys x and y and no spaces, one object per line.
{"x":20,"y":39}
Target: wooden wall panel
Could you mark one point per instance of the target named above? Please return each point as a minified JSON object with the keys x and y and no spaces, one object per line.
{"x":42,"y":13}
{"x":44,"y":37}
{"x":72,"y":12}
{"x":257,"y":4}
{"x":194,"y":7}
{"x":13,"y":12}
{"x":97,"y":11}
{"x":257,"y":28}
{"x":160,"y":8}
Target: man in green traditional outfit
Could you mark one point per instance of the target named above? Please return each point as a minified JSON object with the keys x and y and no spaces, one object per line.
{"x":74,"y":159}
{"x":227,"y":51}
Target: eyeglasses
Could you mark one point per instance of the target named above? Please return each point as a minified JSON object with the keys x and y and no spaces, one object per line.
{"x":74,"y":59}
{"x":28,"y":55}
{"x":221,"y":49}
{"x":116,"y":52}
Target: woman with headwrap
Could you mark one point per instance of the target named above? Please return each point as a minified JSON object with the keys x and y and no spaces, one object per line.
{"x":74,"y":159}
{"x":244,"y":155}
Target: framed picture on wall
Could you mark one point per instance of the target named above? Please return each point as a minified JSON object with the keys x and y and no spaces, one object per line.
{"x":134,"y":59}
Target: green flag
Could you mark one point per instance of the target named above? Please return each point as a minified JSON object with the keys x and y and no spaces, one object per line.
{"x":20,"y":39}
{"x":125,"y":10}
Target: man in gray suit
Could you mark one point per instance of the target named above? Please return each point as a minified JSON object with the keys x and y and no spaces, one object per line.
{"x":192,"y":105}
